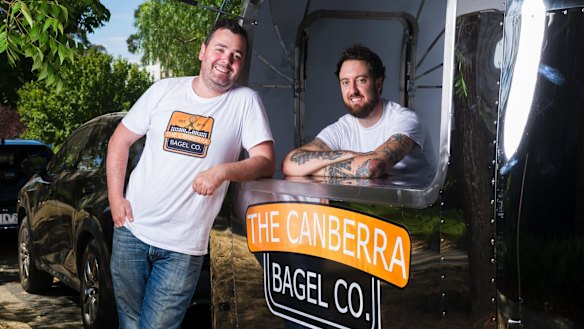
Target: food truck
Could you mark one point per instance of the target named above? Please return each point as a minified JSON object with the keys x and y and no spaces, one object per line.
{"x":495,"y":240}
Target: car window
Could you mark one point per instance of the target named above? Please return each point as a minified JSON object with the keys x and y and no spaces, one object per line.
{"x":66,"y":157}
{"x":93,"y":156}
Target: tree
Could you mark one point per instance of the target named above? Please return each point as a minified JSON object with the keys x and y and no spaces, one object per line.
{"x":171,"y":32}
{"x":10,"y":125}
{"x":46,"y":32}
{"x":94,"y":86}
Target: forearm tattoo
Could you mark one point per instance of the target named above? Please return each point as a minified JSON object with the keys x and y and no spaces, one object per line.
{"x":340,"y":169}
{"x":391,"y":152}
{"x":371,"y":168}
{"x":301,"y":157}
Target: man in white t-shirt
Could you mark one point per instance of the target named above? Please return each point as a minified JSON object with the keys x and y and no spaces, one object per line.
{"x":377,"y":138}
{"x":196,"y":128}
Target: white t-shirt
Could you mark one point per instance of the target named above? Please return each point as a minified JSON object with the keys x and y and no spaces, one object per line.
{"x":186,"y":134}
{"x":417,"y":168}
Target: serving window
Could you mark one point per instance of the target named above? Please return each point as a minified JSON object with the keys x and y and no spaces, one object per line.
{"x":295,"y":52}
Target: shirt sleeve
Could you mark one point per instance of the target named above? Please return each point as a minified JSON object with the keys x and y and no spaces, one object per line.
{"x":256,"y":128}
{"x":138,"y":118}
{"x":336,"y":134}
{"x":408,"y":123}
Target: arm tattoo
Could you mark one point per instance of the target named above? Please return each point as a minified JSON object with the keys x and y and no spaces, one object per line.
{"x":340,"y":169}
{"x":371,"y":168}
{"x":395,"y":147}
{"x":319,"y":143}
{"x":301,"y":157}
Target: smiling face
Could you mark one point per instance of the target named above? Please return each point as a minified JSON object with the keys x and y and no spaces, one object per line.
{"x":360,"y":91}
{"x":221,"y":61}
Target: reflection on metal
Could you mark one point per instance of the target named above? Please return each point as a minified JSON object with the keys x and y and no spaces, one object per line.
{"x":375,"y":191}
{"x":272,"y":67}
{"x":524,"y":75}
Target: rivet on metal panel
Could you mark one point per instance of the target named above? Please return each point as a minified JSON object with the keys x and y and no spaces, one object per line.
{"x":224,"y":306}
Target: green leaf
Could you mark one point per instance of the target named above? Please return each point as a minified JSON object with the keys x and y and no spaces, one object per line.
{"x":40,"y":54}
{"x":29,"y":51}
{"x":50,"y":79}
{"x":44,"y":72}
{"x":62,"y":53}
{"x":53,"y":46}
{"x":64,"y":13}
{"x":37,"y":62}
{"x":47,"y":24}
{"x":59,"y":85}
{"x":26,"y":12}
{"x":3,"y":41}
{"x":34,"y":33}
{"x":44,"y":38}
{"x":15,"y":39}
{"x":15,"y":9}
{"x":55,"y":25}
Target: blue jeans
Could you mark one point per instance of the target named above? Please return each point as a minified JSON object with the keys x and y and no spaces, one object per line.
{"x":152,"y":286}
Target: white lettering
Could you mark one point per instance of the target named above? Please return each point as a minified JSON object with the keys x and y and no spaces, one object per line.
{"x":398,"y":248}
{"x":302,"y":284}
{"x":291,"y":215}
{"x":348,"y":236}
{"x":340,"y":282}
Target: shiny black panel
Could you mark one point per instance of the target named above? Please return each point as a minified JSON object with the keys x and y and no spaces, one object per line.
{"x":541,"y":201}
{"x":468,"y":270}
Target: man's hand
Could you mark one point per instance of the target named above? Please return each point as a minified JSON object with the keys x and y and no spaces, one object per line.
{"x":260,"y":163}
{"x":208,"y":181}
{"x":121,"y":211}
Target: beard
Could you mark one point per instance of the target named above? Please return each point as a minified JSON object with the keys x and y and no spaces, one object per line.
{"x":220,"y":84}
{"x":362,"y":111}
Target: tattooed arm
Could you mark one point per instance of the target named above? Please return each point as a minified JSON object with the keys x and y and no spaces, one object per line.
{"x":316,"y":159}
{"x":311,"y":157}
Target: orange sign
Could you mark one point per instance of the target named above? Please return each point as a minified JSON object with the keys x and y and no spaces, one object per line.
{"x":372,"y":245}
{"x":188,"y":134}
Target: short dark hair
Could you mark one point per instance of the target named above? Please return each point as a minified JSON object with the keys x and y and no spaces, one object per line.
{"x":230,"y":25}
{"x":362,"y":53}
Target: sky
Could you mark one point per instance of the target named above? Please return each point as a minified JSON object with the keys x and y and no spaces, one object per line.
{"x":114,"y":33}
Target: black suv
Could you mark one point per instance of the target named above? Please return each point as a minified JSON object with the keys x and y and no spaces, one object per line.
{"x":18,"y":160}
{"x":65,"y":224}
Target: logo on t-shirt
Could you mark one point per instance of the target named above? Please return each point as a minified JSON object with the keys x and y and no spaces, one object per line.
{"x":188,"y":134}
